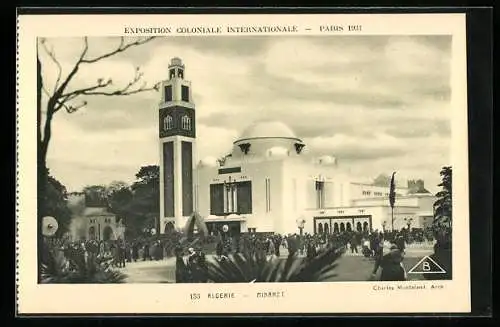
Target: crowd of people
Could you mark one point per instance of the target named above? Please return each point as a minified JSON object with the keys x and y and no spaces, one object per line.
{"x":369,"y":244}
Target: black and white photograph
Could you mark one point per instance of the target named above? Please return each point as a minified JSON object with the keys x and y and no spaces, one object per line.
{"x":243,"y":159}
{"x":249,"y":159}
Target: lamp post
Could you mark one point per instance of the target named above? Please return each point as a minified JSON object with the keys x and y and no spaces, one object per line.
{"x":408,"y":220}
{"x":300,"y":224}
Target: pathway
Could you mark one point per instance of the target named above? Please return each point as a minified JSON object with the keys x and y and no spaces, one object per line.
{"x":352,"y":267}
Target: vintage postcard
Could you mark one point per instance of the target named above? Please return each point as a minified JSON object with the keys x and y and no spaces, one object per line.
{"x":242,"y":164}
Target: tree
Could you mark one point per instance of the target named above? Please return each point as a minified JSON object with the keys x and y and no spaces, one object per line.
{"x":115,"y":186}
{"x":442,"y":225}
{"x":56,"y":204}
{"x":146,"y":200}
{"x":138,"y":205}
{"x":95,"y":196}
{"x":147,"y":175}
{"x":382,"y":180}
{"x":443,"y":204}
{"x":64,"y":97}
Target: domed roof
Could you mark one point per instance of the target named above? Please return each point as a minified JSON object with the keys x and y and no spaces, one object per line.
{"x":278,"y":151}
{"x":267,"y":129}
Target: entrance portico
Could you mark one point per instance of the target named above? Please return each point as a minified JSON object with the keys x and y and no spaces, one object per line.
{"x":235,"y":223}
{"x":335,"y":224}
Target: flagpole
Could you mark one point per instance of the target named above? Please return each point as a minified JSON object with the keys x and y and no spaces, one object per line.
{"x":392,"y":219}
{"x":392,"y":199}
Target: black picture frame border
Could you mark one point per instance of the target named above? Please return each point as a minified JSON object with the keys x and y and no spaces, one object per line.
{"x":480,"y":114}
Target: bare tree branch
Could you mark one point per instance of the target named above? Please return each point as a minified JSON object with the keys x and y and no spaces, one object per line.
{"x":85,"y":49}
{"x":121,"y":47}
{"x":123,"y":91}
{"x":127,"y":90}
{"x":60,"y":100}
{"x":47,"y":93}
{"x":52,"y":56}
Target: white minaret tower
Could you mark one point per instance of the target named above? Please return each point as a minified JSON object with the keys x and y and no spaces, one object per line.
{"x":177,"y":126}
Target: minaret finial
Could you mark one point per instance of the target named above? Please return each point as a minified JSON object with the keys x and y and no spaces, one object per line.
{"x":176,"y":68}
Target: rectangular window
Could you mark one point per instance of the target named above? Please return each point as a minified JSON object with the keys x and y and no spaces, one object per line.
{"x":168,"y":93}
{"x":268,"y":194}
{"x":216,"y":199}
{"x":185,"y":93}
{"x":320,"y":194}
{"x":231,"y":198}
{"x":187,"y":178}
{"x":168,"y":179}
{"x":244,"y":197}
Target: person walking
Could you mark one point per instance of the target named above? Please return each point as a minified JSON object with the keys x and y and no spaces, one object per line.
{"x":146,"y":254}
{"x":354,"y":243}
{"x":135,"y":251}
{"x":391,"y":264}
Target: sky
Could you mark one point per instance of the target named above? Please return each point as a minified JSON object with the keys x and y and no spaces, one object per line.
{"x":376,"y":103}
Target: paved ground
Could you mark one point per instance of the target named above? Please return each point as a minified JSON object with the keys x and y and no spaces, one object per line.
{"x":351,"y":267}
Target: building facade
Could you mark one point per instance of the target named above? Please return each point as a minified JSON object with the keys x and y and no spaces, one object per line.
{"x":92,"y":222}
{"x":267,"y":184}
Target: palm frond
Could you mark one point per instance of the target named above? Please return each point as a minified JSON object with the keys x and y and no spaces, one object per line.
{"x":243,"y":268}
{"x":73,"y":267}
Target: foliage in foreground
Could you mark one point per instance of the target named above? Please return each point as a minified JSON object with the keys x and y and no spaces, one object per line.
{"x":75,"y":268}
{"x":243,"y":268}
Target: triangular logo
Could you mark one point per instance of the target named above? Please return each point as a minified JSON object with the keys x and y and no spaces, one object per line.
{"x":427,"y":265}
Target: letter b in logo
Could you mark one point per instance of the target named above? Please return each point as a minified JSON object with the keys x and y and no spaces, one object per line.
{"x":427,"y":266}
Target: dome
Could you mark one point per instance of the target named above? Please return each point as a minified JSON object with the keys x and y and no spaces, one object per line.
{"x":267,"y":129}
{"x":278,"y":151}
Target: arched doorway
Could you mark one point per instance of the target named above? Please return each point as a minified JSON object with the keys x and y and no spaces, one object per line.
{"x":365,"y":226}
{"x":349,"y":227}
{"x":327,"y":228}
{"x":342,"y":227}
{"x":92,"y":233}
{"x":169,"y":227}
{"x":336,"y":228}
{"x":107,"y":233}
{"x":320,"y":228}
{"x":358,"y":227}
